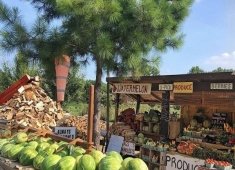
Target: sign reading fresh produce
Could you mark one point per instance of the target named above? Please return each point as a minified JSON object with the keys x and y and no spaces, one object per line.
{"x":68,"y":132}
{"x":178,"y":162}
{"x":131,"y":88}
{"x":183,"y":87}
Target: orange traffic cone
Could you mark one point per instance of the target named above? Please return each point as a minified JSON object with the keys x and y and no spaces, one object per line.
{"x":62,"y":65}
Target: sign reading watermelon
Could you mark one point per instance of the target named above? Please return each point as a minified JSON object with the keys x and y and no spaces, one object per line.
{"x":68,"y":132}
{"x":127,"y":88}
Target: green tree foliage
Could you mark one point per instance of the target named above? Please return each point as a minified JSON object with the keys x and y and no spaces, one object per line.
{"x":220,"y":69}
{"x":6,"y":77}
{"x":112,"y":33}
{"x":10,"y":74}
{"x":195,"y":70}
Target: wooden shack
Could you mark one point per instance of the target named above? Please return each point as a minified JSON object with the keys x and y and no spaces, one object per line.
{"x":212,"y":92}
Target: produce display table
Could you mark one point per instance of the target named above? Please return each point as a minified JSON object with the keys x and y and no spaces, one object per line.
{"x":7,"y":164}
{"x":209,"y":145}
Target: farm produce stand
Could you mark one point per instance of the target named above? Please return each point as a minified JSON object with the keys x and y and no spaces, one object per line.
{"x":207,"y":119}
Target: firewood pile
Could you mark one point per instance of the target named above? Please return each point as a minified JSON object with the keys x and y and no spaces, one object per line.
{"x":32,"y":107}
{"x":80,"y":122}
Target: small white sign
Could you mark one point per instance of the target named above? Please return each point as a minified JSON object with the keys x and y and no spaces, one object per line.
{"x":68,"y":132}
{"x":115,"y":143}
{"x":128,"y":148}
{"x":179,"y":162}
{"x":165,"y":87}
{"x":127,"y":88}
{"x":221,"y":86}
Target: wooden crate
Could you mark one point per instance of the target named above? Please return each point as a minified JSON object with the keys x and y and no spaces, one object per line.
{"x":147,"y":153}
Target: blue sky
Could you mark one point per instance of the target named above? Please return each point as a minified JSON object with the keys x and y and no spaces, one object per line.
{"x":209,"y":37}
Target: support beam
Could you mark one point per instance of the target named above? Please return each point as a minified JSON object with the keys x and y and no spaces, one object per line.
{"x":165,"y":115}
{"x":117,"y":106}
{"x":107,"y":116}
{"x":138,"y":104}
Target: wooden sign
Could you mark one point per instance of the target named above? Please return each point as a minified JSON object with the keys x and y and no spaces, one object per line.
{"x":165,"y":87}
{"x":131,"y":88}
{"x":115,"y":143}
{"x":183,"y":87}
{"x":68,"y":132}
{"x":221,"y":86}
{"x":128,"y":148}
{"x":180,"y":162}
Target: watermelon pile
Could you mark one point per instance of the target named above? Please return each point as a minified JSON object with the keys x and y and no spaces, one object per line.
{"x":46,"y":154}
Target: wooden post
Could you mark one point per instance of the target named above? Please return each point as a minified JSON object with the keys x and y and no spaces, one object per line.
{"x":90,"y":119}
{"x":138,"y":104}
{"x":165,"y":114}
{"x":107,"y":117}
{"x":117,"y":106}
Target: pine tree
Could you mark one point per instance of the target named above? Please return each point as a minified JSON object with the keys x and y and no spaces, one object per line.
{"x":118,"y":33}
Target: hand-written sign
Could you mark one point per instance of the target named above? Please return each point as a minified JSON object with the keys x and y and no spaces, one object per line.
{"x":218,"y":119}
{"x":131,"y":88}
{"x":183,"y":87}
{"x":128,"y":148}
{"x":178,"y":162}
{"x":221,"y":86}
{"x":68,"y":132}
{"x":165,"y":87}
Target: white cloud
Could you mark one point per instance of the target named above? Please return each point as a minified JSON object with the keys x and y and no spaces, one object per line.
{"x":224,"y":60}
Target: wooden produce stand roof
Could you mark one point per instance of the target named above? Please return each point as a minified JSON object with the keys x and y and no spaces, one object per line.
{"x":217,"y":89}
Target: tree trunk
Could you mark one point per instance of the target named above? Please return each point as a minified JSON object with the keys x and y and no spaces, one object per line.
{"x":97,"y":103}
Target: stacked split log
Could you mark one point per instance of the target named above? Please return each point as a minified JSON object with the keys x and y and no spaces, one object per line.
{"x":32,"y":107}
{"x":80,"y":122}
